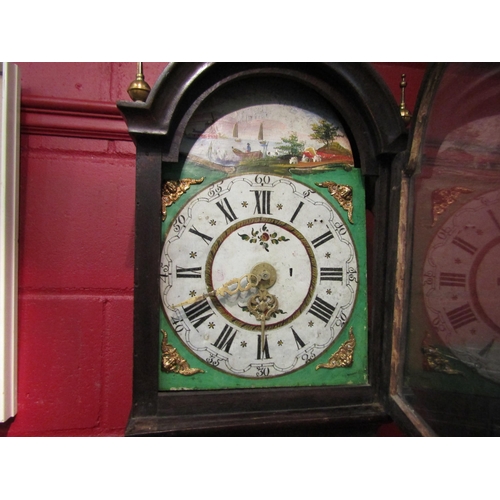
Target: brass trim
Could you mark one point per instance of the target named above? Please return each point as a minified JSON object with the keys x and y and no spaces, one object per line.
{"x":172,"y":190}
{"x":342,"y":193}
{"x":172,"y":361}
{"x":139,"y":89}
{"x":343,"y":357}
{"x":434,"y":359}
{"x":403,"y":110}
{"x":441,"y":199}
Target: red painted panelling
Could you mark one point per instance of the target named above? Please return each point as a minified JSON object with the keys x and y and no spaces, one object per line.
{"x":101,"y":81}
{"x":117,"y":362}
{"x":39,"y":146}
{"x":85,"y":81}
{"x":60,"y":365}
{"x":70,"y":118}
{"x":77,"y":230}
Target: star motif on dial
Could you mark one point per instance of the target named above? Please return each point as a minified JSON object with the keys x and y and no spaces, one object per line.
{"x":232,"y":231}
{"x":480,"y":232}
{"x":458,"y":261}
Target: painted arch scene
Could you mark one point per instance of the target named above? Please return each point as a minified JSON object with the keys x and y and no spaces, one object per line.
{"x":277,"y":136}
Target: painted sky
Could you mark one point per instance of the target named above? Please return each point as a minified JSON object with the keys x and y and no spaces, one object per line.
{"x":279,"y":121}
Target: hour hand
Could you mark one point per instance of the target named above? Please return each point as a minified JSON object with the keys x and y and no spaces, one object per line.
{"x":246,"y":282}
{"x":263,"y":304}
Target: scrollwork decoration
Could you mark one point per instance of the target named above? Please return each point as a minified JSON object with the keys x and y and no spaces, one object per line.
{"x":434,"y":360}
{"x":172,"y":361}
{"x":441,"y":199}
{"x":342,"y":193}
{"x":344,"y":355}
{"x":172,"y":190}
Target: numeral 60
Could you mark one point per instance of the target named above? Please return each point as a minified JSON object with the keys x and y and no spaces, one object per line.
{"x":262,"y":179}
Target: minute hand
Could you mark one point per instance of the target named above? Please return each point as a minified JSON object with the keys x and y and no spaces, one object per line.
{"x":227,"y":288}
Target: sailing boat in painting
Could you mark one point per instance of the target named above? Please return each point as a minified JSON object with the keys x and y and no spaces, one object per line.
{"x":255,"y":155}
{"x":261,"y":135}
{"x":275,"y":136}
{"x":261,"y":140}
{"x":235,"y":133}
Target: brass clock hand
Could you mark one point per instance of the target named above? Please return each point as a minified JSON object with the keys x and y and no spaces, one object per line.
{"x":227,"y":288}
{"x":263,"y":304}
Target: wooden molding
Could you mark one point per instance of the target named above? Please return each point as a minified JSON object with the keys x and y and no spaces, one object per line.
{"x":9,"y":229}
{"x":72,"y":118}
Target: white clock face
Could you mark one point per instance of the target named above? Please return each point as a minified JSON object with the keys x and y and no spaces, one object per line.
{"x":224,"y":237}
{"x":462,"y":284}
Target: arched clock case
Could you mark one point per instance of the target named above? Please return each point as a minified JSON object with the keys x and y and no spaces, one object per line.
{"x":264,"y":271}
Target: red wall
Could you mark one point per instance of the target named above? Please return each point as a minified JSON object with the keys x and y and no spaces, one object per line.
{"x":76,"y":246}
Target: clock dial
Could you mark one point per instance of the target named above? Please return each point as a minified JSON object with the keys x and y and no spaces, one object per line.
{"x":462,"y":284}
{"x":259,"y":275}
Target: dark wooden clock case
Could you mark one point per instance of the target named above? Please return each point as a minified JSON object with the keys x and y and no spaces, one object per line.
{"x":372,"y":120}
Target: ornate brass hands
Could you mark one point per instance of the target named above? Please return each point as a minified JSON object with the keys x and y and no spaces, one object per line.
{"x":246,"y":282}
{"x":263,"y":304}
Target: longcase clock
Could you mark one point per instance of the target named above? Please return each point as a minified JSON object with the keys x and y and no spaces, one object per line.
{"x":262,"y":209}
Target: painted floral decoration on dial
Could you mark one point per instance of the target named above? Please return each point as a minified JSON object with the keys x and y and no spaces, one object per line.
{"x":263,"y":237}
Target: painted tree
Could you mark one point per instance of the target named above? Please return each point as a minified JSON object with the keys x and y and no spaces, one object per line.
{"x":325,"y":132}
{"x":290,"y":145}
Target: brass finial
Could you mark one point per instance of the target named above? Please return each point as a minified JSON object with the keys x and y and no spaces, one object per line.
{"x":139,"y":89}
{"x":405,"y":113}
